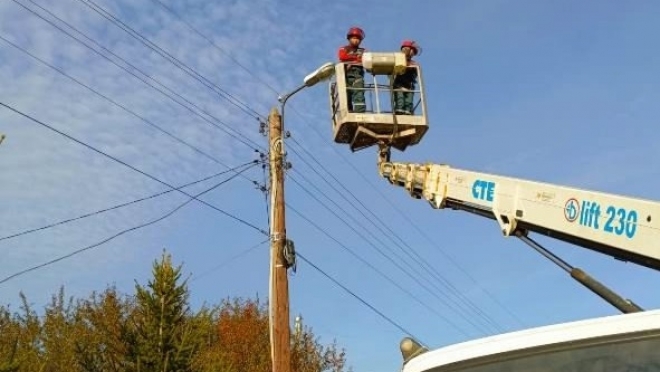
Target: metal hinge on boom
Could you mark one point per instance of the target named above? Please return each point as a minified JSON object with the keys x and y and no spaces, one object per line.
{"x":509,"y":226}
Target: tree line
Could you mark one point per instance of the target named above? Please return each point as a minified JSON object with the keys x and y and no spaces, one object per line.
{"x":152,"y":330}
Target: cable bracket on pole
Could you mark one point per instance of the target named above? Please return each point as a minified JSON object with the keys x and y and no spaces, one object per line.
{"x":275,"y":237}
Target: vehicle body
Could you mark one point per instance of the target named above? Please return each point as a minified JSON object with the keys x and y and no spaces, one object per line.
{"x":628,"y":342}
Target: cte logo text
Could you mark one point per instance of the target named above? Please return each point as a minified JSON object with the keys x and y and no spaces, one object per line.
{"x":483,"y":190}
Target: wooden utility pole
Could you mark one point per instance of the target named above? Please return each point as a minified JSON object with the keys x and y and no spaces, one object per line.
{"x":279,"y":282}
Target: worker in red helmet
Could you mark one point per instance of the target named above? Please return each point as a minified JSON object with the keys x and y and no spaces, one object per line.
{"x":404,"y":84}
{"x":351,"y":54}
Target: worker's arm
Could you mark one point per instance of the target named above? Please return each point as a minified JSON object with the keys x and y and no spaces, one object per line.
{"x":344,"y":56}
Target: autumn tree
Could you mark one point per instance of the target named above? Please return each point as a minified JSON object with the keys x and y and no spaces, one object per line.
{"x":21,"y":339}
{"x":107,"y":341}
{"x":309,"y":355}
{"x":59,"y":331}
{"x":209,"y":358}
{"x":9,"y":330}
{"x":244,"y":342}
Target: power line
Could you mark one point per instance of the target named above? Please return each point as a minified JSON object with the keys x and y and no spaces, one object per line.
{"x":190,"y":26}
{"x":445,"y":282}
{"x":448,"y":284}
{"x":424,"y":264}
{"x":448,"y":257}
{"x":146,"y":121}
{"x":231,"y":259}
{"x":388,"y":319}
{"x":132,"y":167}
{"x":402,"y":213}
{"x":163,"y":53}
{"x":205,"y":37}
{"x":409,"y":220}
{"x":90,"y":2}
{"x":224,"y":127}
{"x":212,"y":43}
{"x":143,"y":119}
{"x":62,"y":72}
{"x":410,"y":252}
{"x":86,"y":215}
{"x":78,"y":251}
{"x":395,"y":262}
{"x":199,"y":33}
{"x":378,"y":271}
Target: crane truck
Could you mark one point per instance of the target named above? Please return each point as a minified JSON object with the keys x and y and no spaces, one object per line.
{"x":622,"y":227}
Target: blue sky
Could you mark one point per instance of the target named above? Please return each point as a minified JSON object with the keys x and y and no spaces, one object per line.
{"x":559,"y":92}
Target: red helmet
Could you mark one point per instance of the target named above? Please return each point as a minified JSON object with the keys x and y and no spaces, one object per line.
{"x":416,"y":48}
{"x":355,"y":31}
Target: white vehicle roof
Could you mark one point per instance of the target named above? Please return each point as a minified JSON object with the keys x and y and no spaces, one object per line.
{"x":494,"y":350}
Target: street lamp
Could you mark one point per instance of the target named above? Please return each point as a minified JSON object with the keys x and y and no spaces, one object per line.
{"x":320,"y":74}
{"x":278,"y":309}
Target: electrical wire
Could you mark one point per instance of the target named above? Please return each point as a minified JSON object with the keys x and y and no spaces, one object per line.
{"x":364,"y":302}
{"x":414,"y":275}
{"x":175,"y":61}
{"x":408,"y":219}
{"x":463,"y":302}
{"x":219,"y":124}
{"x":109,"y":99}
{"x":425,"y":265}
{"x":143,"y":119}
{"x":95,"y":245}
{"x":303,"y":148}
{"x":230,"y":260}
{"x":192,"y":198}
{"x":118,"y":206}
{"x":442,"y":251}
{"x":130,"y":166}
{"x":170,"y":10}
{"x":489,"y":321}
{"x":216,"y":46}
{"x":378,"y":271}
{"x":246,"y":69}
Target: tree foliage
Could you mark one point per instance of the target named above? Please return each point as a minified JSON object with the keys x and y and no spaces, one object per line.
{"x":152,"y":330}
{"x":164,"y":336}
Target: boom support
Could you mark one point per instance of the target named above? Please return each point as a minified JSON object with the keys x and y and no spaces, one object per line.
{"x":623,"y":227}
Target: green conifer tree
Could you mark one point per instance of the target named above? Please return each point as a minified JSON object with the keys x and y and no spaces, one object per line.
{"x":163,"y":337}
